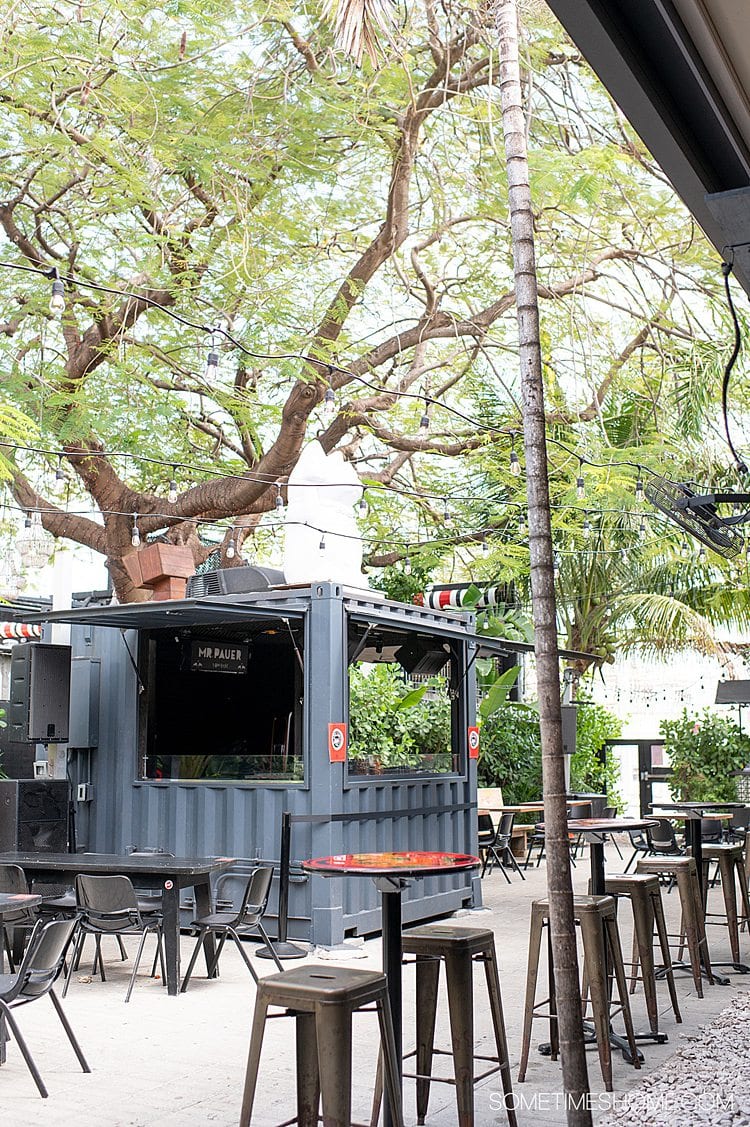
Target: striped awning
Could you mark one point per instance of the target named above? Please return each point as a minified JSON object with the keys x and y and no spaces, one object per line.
{"x":17,"y":631}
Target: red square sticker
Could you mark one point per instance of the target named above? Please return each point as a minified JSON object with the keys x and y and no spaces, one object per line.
{"x":337,"y":743}
{"x":473,"y":735}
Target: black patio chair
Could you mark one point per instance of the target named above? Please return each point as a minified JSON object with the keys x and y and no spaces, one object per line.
{"x":640,"y":846}
{"x":37,"y":974}
{"x":108,"y":905}
{"x":611,"y":812}
{"x":230,"y":924}
{"x":739,"y":824}
{"x":485,"y":834}
{"x":662,"y":838}
{"x":498,"y":850}
{"x":712,"y":831}
{"x":13,"y":881}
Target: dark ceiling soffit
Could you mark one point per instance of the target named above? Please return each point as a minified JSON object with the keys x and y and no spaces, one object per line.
{"x":161,"y":615}
{"x":643,"y":54}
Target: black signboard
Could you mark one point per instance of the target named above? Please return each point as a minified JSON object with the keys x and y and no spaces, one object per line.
{"x":219,"y":657}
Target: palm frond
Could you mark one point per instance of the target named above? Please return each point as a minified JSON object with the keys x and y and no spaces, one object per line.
{"x":359,"y":25}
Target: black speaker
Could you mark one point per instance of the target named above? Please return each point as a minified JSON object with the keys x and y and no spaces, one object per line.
{"x":40,"y":693}
{"x":16,"y":756}
{"x":34,"y":815}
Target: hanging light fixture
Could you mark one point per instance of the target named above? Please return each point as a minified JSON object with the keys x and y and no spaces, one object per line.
{"x":34,"y":543}
{"x":57,"y":297}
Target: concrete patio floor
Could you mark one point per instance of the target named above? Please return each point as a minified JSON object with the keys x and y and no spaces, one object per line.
{"x":179,"y":1062}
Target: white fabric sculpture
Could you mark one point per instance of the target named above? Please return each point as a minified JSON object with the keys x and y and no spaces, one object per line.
{"x":322,"y":492}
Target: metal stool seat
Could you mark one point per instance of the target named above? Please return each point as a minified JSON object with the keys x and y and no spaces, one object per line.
{"x":322,"y":999}
{"x":459,"y":948}
{"x":684,"y":872}
{"x":731,"y":863}
{"x":644,"y":893}
{"x":597,"y":919}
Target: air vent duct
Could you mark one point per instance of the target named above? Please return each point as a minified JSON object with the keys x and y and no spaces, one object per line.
{"x":234,"y":581}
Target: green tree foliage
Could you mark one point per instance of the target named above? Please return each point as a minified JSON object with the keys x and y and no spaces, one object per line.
{"x":389,"y":726}
{"x":511,"y":753}
{"x":222,"y":161}
{"x":704,"y":750}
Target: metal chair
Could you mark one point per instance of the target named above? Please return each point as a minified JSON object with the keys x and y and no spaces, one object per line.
{"x":662,"y":839}
{"x":738,"y":825}
{"x":498,"y":850}
{"x":108,"y":905}
{"x":41,"y":966}
{"x":13,"y":881}
{"x":611,"y":812}
{"x":640,"y":845}
{"x":248,"y":920}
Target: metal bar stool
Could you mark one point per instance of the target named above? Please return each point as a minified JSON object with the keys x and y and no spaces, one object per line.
{"x":684,"y":872}
{"x":601,"y":940}
{"x":644,"y":893}
{"x":730,"y":861}
{"x":459,"y":948}
{"x":322,"y":1000}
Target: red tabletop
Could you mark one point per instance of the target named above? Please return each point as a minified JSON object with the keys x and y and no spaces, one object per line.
{"x":392,"y":864}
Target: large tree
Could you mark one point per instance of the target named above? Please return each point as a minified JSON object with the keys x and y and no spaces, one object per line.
{"x":346,"y":226}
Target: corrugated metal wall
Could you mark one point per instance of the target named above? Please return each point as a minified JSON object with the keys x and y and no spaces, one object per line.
{"x":243,"y":821}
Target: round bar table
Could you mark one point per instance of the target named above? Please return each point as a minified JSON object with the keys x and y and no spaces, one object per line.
{"x":10,"y":903}
{"x":392,"y":872}
{"x":595,"y":831}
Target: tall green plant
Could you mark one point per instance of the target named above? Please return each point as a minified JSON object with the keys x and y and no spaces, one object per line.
{"x":703,"y":752}
{"x":589,"y":770}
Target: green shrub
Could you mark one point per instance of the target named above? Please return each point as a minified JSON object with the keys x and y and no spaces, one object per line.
{"x":595,"y":725}
{"x":703,"y":752}
{"x":384,"y":732}
{"x":511,"y":753}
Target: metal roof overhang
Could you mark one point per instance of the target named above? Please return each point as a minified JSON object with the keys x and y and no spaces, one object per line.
{"x":493,"y":647}
{"x":680,"y":71}
{"x":217,"y":610}
{"x":170,"y":613}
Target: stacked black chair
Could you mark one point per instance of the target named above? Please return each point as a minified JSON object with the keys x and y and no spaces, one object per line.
{"x":108,"y":905}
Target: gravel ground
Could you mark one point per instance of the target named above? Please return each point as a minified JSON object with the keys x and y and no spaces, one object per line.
{"x":707,"y":1081}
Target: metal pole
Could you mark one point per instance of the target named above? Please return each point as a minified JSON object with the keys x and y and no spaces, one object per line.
{"x":282,"y":948}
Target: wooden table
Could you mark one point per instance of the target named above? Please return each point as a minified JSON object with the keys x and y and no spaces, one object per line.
{"x":391,"y":873}
{"x":10,"y":903}
{"x":153,"y":870}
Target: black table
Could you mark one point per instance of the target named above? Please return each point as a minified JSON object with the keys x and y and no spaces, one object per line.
{"x":10,"y":903}
{"x":155,"y":870}
{"x":392,"y":873}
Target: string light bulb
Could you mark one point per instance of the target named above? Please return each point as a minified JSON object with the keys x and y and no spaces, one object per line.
{"x":642,"y":526}
{"x":555,"y":567}
{"x":515,"y":465}
{"x":57,"y":297}
{"x":322,"y":544}
{"x":135,"y":535}
{"x":522,"y":529}
{"x":329,"y":403}
{"x":59,"y":472}
{"x":684,"y":549}
{"x":586,"y":528}
{"x":231,"y":547}
{"x":580,"y":483}
{"x":447,"y":518}
{"x":27,"y":520}
{"x":639,"y":489}
{"x":172,"y":494}
{"x":485,"y":545}
{"x":424,"y":422}
{"x":702,"y":554}
{"x":279,"y":499}
{"x":212,"y":360}
{"x":363,"y":506}
{"x":407,"y":566}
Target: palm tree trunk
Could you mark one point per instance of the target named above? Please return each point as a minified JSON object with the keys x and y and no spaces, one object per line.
{"x":559,"y":884}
